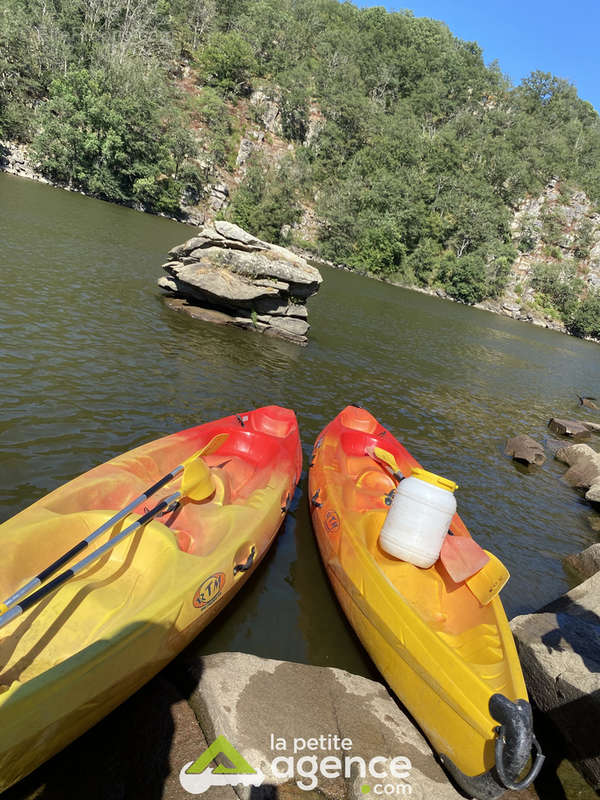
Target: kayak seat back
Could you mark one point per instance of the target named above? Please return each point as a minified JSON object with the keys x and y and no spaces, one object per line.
{"x":359,"y":419}
{"x":274,"y":421}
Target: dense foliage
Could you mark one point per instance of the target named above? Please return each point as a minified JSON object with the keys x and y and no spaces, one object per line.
{"x":415,"y":161}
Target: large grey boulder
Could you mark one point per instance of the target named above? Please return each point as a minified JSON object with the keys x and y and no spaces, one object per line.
{"x":258,"y":704}
{"x":584,"y":469}
{"x":226,"y":269}
{"x":559,"y":648}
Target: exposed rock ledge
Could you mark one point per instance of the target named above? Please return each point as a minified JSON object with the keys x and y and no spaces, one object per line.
{"x":559,"y":648}
{"x":226,"y":275}
{"x":141,"y":748}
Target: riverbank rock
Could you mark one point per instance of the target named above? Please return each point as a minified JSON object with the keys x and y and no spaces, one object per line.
{"x":250,"y":283}
{"x":16,"y":160}
{"x":262,"y":706}
{"x":559,"y":648}
{"x":525,"y":449}
{"x":586,"y":563}
{"x":584,"y":469}
{"x":141,"y":748}
{"x":567,"y":427}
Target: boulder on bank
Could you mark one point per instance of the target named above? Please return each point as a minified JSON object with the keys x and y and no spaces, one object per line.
{"x":586,"y":563}
{"x":250,"y":283}
{"x":140,"y":749}
{"x":559,"y":648}
{"x":525,"y":449}
{"x":249,"y":700}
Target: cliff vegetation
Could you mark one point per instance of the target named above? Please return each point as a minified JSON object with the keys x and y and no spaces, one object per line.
{"x":376,"y":139}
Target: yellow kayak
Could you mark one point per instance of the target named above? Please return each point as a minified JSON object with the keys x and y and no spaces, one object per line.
{"x":72,"y":657}
{"x":449,"y":657}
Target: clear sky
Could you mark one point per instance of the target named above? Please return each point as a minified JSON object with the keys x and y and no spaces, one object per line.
{"x":551,"y":35}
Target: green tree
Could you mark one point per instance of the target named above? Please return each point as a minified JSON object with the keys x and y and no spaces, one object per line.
{"x":266,"y":201}
{"x":227,"y":61}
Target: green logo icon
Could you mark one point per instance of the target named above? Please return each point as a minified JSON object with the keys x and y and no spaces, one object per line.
{"x":218,"y":747}
{"x":198,"y":776}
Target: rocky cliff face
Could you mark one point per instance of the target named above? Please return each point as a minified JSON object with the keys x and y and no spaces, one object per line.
{"x":560,"y":229}
{"x":227,"y":276}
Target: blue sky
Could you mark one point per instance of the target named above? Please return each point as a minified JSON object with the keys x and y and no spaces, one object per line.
{"x":558,"y":37}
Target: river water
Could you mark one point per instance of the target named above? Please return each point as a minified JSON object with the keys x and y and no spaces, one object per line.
{"x":93,"y":363}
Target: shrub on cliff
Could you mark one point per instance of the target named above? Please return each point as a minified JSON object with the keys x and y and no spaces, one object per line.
{"x":266,"y":201}
{"x":227,"y":61}
{"x":586,"y":317}
{"x":558,"y":286}
{"x":465,"y":278}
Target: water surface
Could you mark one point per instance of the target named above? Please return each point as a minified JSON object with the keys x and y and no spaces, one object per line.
{"x":93,"y":363}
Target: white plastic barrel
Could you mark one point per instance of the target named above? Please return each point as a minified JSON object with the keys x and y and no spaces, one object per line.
{"x":419,"y":518}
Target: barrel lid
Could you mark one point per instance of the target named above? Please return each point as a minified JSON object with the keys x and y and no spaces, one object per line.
{"x":436,"y":480}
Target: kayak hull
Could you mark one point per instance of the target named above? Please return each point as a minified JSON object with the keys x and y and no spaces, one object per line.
{"x":443,"y":654}
{"x":79,"y":653}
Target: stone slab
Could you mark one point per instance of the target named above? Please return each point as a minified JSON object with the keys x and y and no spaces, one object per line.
{"x":559,"y":648}
{"x":250,"y":700}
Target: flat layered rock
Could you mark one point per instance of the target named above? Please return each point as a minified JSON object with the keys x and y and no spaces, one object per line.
{"x":206,"y":281}
{"x":567,"y":427}
{"x":227,"y":269}
{"x":198,"y":312}
{"x":230,"y":231}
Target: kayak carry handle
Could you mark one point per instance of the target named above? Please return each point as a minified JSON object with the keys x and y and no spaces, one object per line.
{"x":514,"y":742}
{"x":247,"y":563}
{"x":538,"y":763}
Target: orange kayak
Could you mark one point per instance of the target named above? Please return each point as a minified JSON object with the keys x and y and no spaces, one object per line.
{"x":450,"y":659}
{"x":74,"y":656}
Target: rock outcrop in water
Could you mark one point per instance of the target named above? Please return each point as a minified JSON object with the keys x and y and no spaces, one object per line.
{"x":584,"y":469}
{"x":227,"y":276}
{"x":526,"y":450}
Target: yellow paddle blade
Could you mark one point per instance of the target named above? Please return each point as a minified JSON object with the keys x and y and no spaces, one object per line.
{"x":197,"y":482}
{"x":489,"y":581}
{"x":382,"y":455}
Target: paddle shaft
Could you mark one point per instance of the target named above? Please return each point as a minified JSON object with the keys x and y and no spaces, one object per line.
{"x":56,"y":565}
{"x":32,"y":599}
